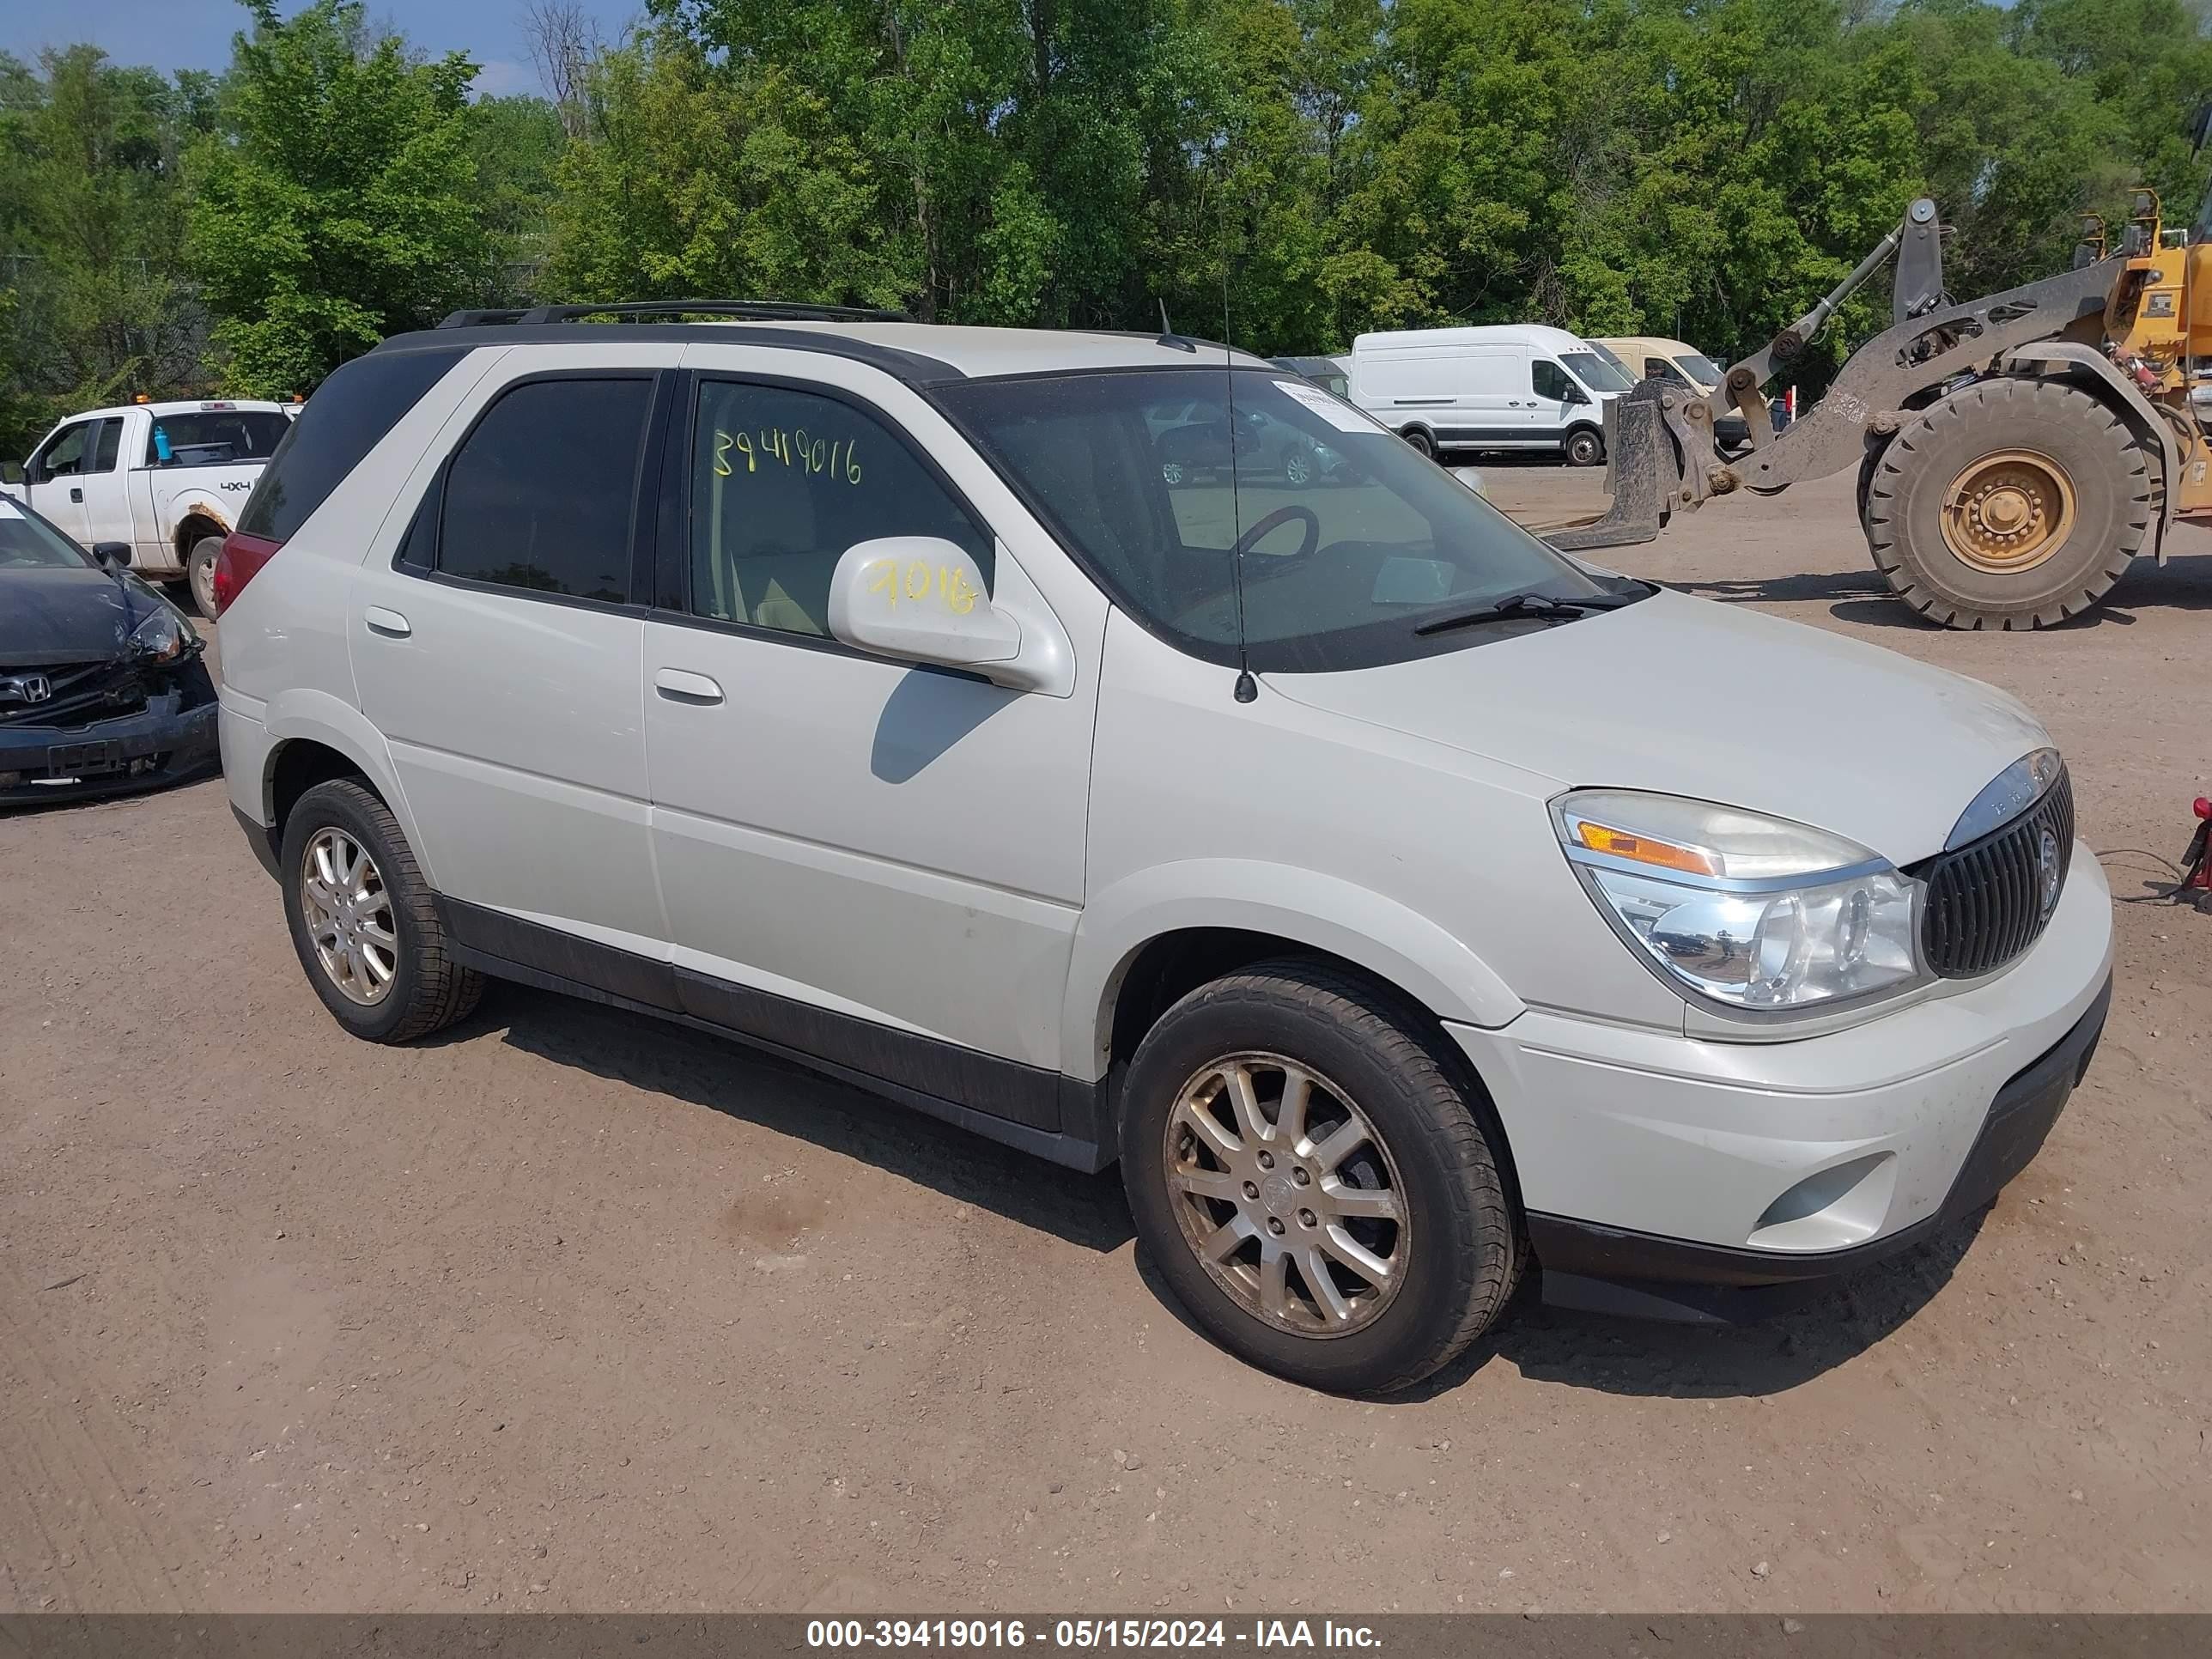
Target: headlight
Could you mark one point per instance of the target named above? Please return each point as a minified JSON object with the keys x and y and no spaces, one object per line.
{"x":162,"y":636}
{"x":1755,"y":913}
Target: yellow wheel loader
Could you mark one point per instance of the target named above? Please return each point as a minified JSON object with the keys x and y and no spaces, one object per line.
{"x":2015,"y":454}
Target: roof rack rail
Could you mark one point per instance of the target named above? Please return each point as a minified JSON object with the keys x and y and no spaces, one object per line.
{"x":764,"y":311}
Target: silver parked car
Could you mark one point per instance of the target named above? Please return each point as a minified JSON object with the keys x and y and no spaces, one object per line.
{"x":1367,"y":878}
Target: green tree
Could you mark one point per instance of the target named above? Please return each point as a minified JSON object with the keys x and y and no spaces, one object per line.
{"x":338,"y":200}
{"x":517,"y":143}
{"x":1289,"y":171}
{"x":91,"y":232}
{"x":698,"y":178}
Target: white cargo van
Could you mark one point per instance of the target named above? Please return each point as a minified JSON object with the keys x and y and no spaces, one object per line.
{"x":1522,"y":386}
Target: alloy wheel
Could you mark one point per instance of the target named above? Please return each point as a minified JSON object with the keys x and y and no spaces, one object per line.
{"x":1287,"y":1195}
{"x":348,"y":915}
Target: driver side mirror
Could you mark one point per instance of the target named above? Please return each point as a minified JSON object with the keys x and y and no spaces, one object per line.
{"x":1575,"y":394}
{"x":922,"y":599}
{"x":11,"y":472}
{"x":111,"y":556}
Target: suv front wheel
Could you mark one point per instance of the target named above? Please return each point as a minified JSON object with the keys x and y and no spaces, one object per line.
{"x":363,"y":921}
{"x":1312,"y":1181}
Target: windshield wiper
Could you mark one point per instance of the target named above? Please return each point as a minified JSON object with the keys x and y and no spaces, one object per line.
{"x":1545,"y":607}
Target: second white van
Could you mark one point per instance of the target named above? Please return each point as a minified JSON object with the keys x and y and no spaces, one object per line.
{"x":1523,"y":386}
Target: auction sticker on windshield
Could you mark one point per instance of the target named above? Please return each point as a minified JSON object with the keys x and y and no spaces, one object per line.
{"x":1339,"y":414}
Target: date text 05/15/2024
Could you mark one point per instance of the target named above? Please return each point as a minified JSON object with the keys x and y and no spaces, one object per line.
{"x":1087,"y":1634}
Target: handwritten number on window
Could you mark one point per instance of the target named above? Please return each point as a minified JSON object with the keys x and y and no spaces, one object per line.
{"x":838,"y":460}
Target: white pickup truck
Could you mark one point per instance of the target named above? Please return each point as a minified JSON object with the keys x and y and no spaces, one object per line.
{"x":168,"y":479}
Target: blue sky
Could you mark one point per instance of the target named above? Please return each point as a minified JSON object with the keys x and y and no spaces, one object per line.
{"x":174,"y":34}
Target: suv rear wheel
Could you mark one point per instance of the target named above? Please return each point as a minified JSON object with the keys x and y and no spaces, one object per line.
{"x":363,"y":921}
{"x":1312,"y":1181}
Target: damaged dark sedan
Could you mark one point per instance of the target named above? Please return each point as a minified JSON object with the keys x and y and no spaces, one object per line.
{"x":102,"y":688}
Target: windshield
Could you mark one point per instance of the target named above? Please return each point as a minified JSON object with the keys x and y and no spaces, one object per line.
{"x":1352,"y":540}
{"x":27,"y":543}
{"x":1700,"y":368}
{"x":1594,"y":372}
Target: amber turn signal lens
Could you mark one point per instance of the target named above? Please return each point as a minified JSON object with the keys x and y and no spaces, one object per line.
{"x":1643,"y":849}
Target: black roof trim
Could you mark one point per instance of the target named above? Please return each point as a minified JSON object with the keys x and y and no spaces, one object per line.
{"x":765,"y":310}
{"x":912,"y":367}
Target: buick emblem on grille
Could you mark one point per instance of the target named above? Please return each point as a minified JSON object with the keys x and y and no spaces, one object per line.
{"x":2050,"y":870}
{"x":30,"y":688}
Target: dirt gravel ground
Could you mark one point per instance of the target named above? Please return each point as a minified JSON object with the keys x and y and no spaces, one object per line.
{"x":570,"y":1310}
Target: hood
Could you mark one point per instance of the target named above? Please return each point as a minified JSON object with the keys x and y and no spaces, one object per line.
{"x":66,"y":614}
{"x":1692,"y":697}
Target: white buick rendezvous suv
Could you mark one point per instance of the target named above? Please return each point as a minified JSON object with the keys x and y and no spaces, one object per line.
{"x":1408,"y":908}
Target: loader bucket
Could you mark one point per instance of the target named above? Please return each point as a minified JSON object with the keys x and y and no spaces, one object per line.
{"x":1643,"y":468}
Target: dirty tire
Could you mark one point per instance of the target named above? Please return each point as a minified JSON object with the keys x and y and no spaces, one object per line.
{"x":2113,"y":503}
{"x":1420,"y":440}
{"x":1465,"y":1250}
{"x":429,"y":989}
{"x":200,"y":573}
{"x":1583,"y":447}
{"x":1867,"y":465}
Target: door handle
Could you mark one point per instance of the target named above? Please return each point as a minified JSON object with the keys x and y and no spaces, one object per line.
{"x":76,"y":493}
{"x":390,"y":623}
{"x":680,"y":685}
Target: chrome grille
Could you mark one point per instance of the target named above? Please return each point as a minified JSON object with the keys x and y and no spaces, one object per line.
{"x":1987,"y":900}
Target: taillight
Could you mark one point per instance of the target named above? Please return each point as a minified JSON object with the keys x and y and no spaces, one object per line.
{"x":239,"y":562}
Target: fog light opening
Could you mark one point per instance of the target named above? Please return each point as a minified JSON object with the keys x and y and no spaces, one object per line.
{"x":1831,"y":1209}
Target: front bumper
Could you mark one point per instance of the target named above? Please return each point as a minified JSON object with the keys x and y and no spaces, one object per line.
{"x":172,"y":738}
{"x":1685,"y":1178}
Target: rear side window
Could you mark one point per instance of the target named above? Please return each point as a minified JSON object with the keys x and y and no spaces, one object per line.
{"x":540,"y":494}
{"x":346,"y":418}
{"x":209,"y":436}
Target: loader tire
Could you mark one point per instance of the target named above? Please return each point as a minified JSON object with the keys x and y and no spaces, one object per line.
{"x":2011,"y":503}
{"x":1867,"y":466}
